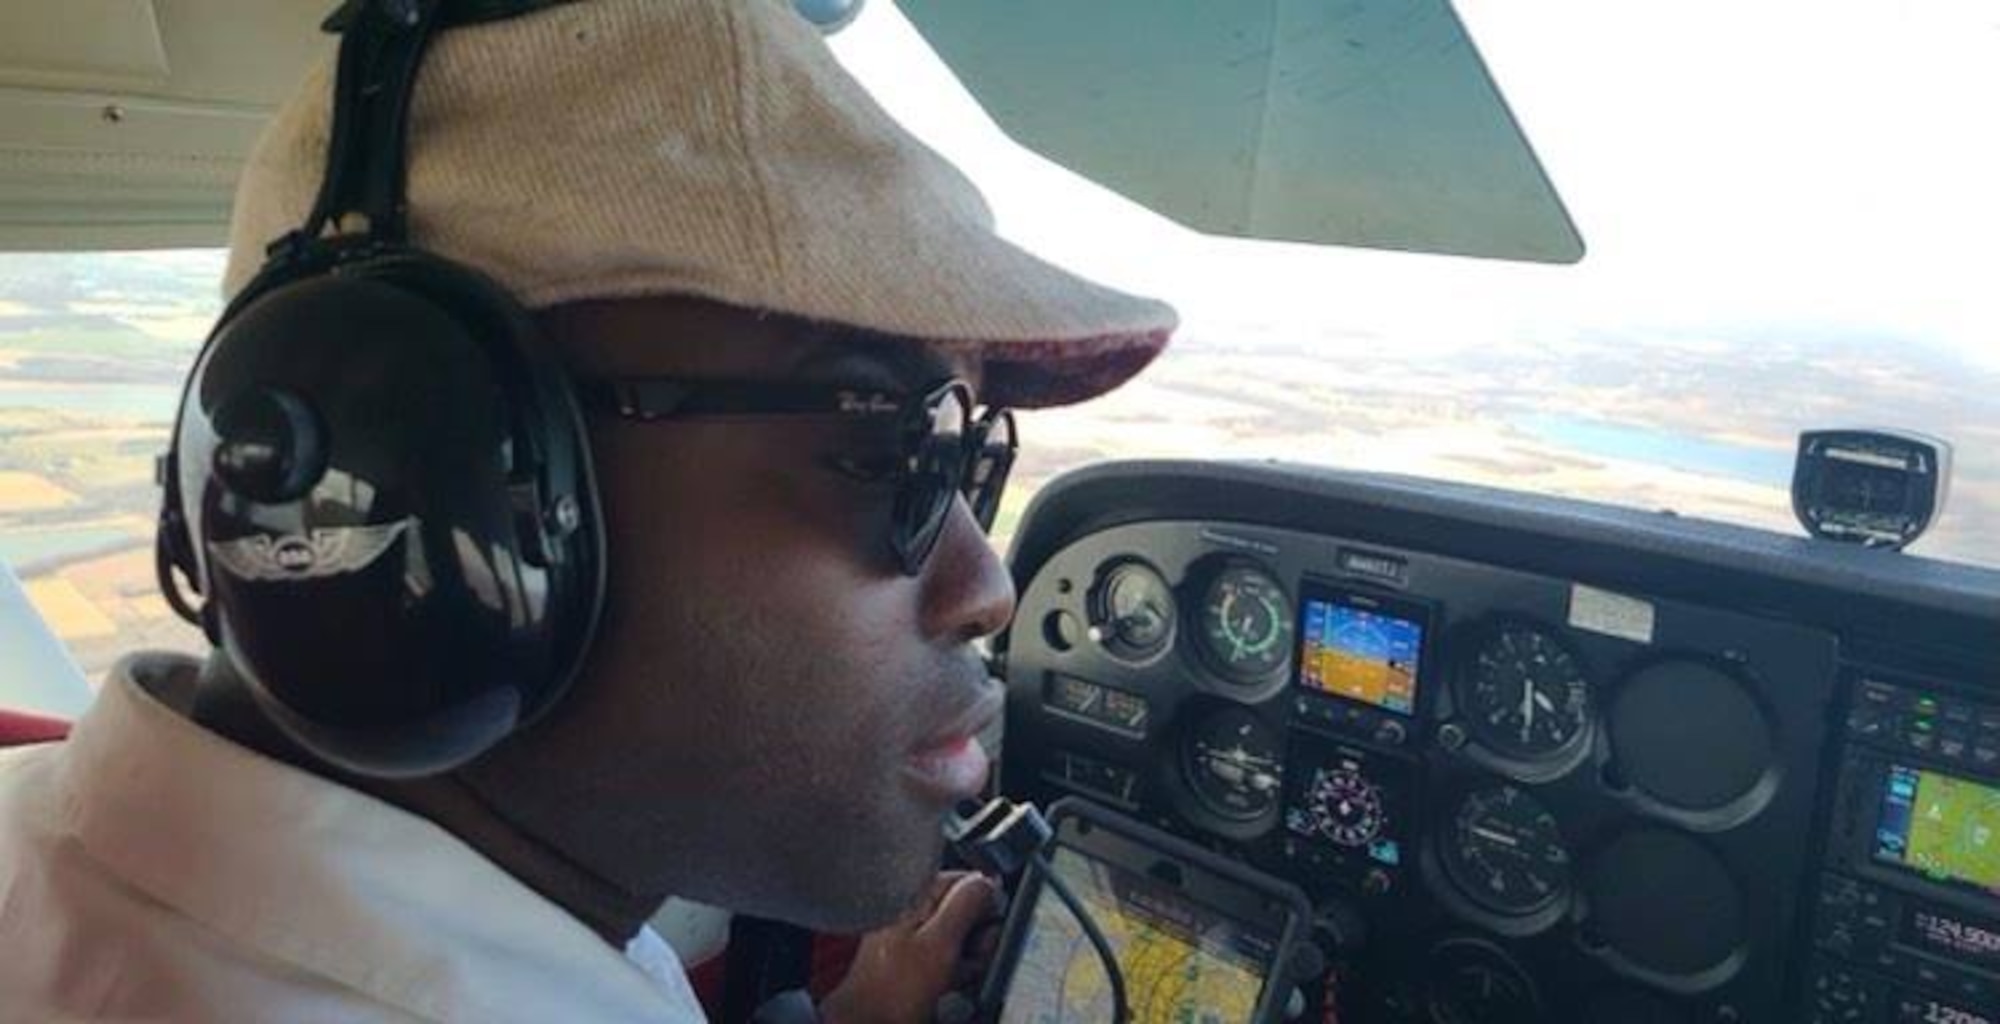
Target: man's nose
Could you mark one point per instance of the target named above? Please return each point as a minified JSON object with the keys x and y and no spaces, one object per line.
{"x":968,"y":592}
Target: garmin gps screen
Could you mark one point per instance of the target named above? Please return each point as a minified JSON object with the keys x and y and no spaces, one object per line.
{"x":1181,"y":961}
{"x":1942,"y":827}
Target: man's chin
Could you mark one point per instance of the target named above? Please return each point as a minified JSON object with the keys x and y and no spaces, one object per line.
{"x":875,"y":892}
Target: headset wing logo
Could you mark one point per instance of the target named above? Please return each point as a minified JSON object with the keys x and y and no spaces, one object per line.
{"x":326,"y":552}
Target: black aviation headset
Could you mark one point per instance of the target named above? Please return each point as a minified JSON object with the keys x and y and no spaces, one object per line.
{"x":380,"y":481}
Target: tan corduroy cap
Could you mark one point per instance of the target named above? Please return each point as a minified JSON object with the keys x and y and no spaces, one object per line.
{"x":620,"y":148}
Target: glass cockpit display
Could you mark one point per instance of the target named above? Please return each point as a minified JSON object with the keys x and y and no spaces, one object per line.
{"x":1350,"y":803}
{"x":1941,"y":826}
{"x":1183,"y":962}
{"x":1359,"y":647}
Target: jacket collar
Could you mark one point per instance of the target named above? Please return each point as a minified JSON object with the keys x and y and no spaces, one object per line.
{"x":327,"y":879}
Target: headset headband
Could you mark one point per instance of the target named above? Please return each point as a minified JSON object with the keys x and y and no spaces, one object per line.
{"x":383,"y":43}
{"x":381,"y":48}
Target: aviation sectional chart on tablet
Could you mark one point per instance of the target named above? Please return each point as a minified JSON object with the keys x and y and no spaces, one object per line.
{"x":1182,"y":963}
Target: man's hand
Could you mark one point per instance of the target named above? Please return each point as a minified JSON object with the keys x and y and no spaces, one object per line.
{"x":900,"y":971}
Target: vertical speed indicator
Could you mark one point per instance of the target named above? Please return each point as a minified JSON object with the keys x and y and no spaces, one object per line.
{"x":1505,"y":852}
{"x":1246,"y":624}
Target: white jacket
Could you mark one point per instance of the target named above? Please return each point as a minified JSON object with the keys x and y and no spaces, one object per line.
{"x":151,"y":870}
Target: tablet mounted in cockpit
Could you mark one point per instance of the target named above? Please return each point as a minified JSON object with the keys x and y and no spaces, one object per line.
{"x":1197,"y":937}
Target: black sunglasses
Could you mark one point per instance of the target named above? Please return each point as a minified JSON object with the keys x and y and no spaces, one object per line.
{"x":942,"y":449}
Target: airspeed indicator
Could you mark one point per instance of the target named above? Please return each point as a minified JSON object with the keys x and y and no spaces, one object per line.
{"x":1246,"y":624}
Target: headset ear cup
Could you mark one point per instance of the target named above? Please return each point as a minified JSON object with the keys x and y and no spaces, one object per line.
{"x":167,"y":562}
{"x":428,"y":578}
{"x":173,"y":543}
{"x":436,"y":583}
{"x":173,"y":554}
{"x":556,"y":492}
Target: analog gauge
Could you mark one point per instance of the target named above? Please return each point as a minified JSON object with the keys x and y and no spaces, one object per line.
{"x":1246,"y":624}
{"x":1343,"y":807}
{"x":1132,"y":611}
{"x":1235,"y":764}
{"x":1504,"y":852}
{"x":1474,"y":982}
{"x":1525,"y":695}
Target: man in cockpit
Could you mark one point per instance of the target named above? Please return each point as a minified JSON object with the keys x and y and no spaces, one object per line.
{"x":782,"y":697}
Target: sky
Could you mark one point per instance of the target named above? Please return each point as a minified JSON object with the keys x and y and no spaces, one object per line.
{"x":1809,"y":167}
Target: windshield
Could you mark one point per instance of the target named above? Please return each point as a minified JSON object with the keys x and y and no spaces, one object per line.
{"x":1792,"y":225}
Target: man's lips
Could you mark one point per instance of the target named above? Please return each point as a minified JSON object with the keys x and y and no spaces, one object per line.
{"x":953,"y":772}
{"x":952,"y":764}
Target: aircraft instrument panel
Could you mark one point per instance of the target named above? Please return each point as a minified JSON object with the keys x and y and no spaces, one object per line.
{"x":1518,"y":794}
